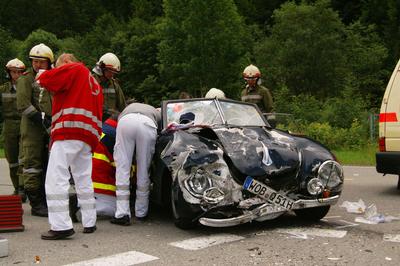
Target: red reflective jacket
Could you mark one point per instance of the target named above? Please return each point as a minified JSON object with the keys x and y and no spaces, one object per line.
{"x":77,"y":103}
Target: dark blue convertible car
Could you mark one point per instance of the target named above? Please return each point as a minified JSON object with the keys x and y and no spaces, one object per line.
{"x":219,"y":163}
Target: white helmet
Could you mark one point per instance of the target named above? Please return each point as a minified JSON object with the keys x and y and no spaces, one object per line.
{"x":251,"y":71}
{"x":15,"y":64}
{"x":41,"y":52}
{"x":215,"y":93}
{"x":110,"y":61}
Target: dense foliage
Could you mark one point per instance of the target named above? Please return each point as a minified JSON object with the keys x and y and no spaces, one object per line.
{"x":325,"y":61}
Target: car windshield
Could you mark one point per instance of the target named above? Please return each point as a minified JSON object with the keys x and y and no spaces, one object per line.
{"x":213,"y":112}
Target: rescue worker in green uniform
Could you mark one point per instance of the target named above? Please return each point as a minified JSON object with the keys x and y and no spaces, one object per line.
{"x":254,"y":92}
{"x":11,"y":125}
{"x":104,"y":72}
{"x":33,"y":133}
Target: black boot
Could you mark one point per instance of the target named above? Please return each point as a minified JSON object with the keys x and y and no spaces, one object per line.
{"x":73,"y":207}
{"x":21,"y":192}
{"x":37,"y":203}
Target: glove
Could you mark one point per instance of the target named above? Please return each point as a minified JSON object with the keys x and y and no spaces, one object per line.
{"x":36,"y":118}
{"x":47,"y":123}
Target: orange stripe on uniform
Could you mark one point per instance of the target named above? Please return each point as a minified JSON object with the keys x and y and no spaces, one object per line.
{"x":388,"y":117}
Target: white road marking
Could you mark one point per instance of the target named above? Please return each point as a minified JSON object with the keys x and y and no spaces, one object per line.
{"x":391,"y":238}
{"x":304,"y":233}
{"x":121,"y":259}
{"x":205,"y":242}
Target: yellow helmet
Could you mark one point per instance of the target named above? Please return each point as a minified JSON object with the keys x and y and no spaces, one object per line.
{"x":41,"y":52}
{"x":251,"y":71}
{"x":110,"y":61}
{"x":215,"y":93}
{"x":15,"y":64}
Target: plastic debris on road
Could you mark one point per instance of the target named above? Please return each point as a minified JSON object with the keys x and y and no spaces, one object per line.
{"x":354,"y":207}
{"x":371,"y":216}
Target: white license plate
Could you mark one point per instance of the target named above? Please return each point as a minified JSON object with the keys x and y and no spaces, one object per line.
{"x":268,"y":193}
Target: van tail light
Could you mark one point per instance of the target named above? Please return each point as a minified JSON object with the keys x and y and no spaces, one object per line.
{"x":388,"y":117}
{"x":382,"y":146}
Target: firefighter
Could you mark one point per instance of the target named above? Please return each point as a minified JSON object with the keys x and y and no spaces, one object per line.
{"x":254,"y":92}
{"x":75,"y":133}
{"x":215,"y":93}
{"x":11,"y":125}
{"x":104,"y":72}
{"x":33,"y":133}
{"x":136,"y":134}
{"x":103,"y":174}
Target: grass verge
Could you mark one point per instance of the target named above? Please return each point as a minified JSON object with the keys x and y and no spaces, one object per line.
{"x":363,"y":157}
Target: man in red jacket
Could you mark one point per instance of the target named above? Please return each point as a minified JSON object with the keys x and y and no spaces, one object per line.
{"x":75,"y":132}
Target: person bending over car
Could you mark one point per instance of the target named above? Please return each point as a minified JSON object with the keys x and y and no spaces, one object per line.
{"x":136,"y":134}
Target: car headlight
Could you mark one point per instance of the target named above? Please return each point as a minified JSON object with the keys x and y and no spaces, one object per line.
{"x":213,"y":195}
{"x":315,"y":186}
{"x":198,"y":182}
{"x":331,"y":174}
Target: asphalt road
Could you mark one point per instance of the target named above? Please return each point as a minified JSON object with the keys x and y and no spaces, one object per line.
{"x":336,"y":240}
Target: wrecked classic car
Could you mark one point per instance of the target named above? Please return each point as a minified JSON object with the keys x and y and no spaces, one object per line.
{"x":218,"y":162}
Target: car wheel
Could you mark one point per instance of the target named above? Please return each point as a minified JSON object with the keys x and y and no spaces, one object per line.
{"x":183,"y":216}
{"x":312,"y":214}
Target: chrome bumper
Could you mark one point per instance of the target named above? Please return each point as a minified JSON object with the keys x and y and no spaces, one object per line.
{"x":267,"y":211}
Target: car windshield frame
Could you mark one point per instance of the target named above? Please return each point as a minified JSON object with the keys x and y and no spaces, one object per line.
{"x":218,"y":112}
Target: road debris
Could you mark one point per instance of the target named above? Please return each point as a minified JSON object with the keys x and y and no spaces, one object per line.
{"x":371,"y":216}
{"x":354,"y":207}
{"x":391,"y":237}
{"x":333,"y":258}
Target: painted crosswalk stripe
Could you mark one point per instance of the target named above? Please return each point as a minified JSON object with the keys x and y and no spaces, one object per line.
{"x":304,"y":232}
{"x":391,"y":237}
{"x":121,"y":259}
{"x":206,"y":241}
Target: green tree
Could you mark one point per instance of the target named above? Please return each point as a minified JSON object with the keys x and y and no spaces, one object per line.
{"x":202,"y":43}
{"x":6,"y":52}
{"x":365,"y":56}
{"x":386,"y":16}
{"x":305,"y":50}
{"x":100,"y":40}
{"x":258,"y":11}
{"x":138,"y":46}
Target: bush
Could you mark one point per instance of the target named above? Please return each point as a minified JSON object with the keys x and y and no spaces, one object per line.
{"x":334,"y":138}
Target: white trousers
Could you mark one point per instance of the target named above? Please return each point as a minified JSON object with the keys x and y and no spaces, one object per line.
{"x":135,"y":133}
{"x":105,"y":204}
{"x":77,"y":155}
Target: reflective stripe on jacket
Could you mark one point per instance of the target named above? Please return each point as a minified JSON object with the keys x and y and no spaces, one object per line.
{"x":77,"y":103}
{"x":103,"y":171}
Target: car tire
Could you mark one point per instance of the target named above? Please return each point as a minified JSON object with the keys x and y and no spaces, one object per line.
{"x":181,"y":211}
{"x":312,"y":214}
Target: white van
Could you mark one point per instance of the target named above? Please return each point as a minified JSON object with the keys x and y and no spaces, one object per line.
{"x":388,"y":157}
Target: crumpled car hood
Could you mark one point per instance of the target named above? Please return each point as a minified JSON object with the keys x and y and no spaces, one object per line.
{"x":258,"y":152}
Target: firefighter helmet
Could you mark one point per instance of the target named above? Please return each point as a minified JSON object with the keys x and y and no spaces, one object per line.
{"x":15,"y":64}
{"x":251,"y":71}
{"x":41,"y":52}
{"x":215,"y":93}
{"x":110,"y":61}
